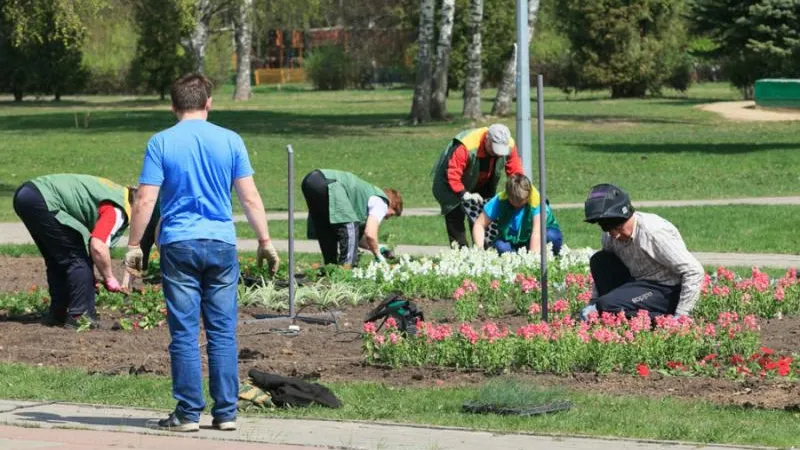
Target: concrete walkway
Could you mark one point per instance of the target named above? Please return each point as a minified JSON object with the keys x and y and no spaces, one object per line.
{"x":16,"y":233}
{"x":65,"y":426}
{"x":433,"y":211}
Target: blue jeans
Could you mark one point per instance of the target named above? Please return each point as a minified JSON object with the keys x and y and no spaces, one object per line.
{"x":553,"y":235}
{"x":200,"y":278}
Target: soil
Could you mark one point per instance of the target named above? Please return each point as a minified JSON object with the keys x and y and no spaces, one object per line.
{"x":748,"y":112}
{"x":333,"y":353}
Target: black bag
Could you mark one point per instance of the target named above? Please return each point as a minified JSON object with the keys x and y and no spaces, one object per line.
{"x":286,"y":391}
{"x":404,"y":312}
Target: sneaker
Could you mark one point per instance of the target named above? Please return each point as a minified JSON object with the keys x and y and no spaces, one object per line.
{"x":224,"y":425}
{"x":81,"y":322}
{"x":173,"y":423}
{"x":49,"y":320}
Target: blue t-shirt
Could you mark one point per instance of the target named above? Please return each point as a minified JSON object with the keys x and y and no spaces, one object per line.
{"x":492,"y":210}
{"x":195,"y":162}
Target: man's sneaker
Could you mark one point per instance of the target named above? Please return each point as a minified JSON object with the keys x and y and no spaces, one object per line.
{"x":224,"y":425}
{"x":173,"y":423}
{"x":81,"y":322}
{"x":50,"y":320}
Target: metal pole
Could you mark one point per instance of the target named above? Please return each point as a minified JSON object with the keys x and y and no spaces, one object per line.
{"x":523,"y":90}
{"x":542,"y":189}
{"x":290,"y":154}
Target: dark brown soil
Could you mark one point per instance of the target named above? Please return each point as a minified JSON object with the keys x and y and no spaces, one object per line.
{"x":333,"y":353}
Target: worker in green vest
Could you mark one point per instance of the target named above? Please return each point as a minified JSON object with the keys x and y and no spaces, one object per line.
{"x":516,"y":212}
{"x":345,"y":212}
{"x":74,"y":220}
{"x":468,"y":171}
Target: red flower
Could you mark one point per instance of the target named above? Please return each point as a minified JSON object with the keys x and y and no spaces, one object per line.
{"x":643,"y":370}
{"x":766,"y":351}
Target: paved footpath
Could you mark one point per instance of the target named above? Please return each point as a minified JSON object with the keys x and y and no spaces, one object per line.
{"x":66,"y":426}
{"x":15,"y":233}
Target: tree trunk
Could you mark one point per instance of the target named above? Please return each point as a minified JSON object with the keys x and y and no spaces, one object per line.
{"x":507,"y":89}
{"x":197,"y":42}
{"x":442,"y":65}
{"x":472,"y":85}
{"x":17,"y":94}
{"x":244,"y":40}
{"x":421,"y":107}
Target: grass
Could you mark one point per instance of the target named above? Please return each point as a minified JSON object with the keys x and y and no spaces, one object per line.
{"x":591,"y":414}
{"x":736,"y":228}
{"x":657,"y":148}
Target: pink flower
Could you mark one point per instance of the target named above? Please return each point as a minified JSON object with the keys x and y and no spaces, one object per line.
{"x":532,"y":330}
{"x":458,"y":293}
{"x":469,"y":285}
{"x":750,"y":322}
{"x":492,"y":332}
{"x":466,"y":330}
{"x":640,"y":322}
{"x":585,"y":296}
{"x":393,"y":337}
{"x":720,"y":291}
{"x":560,"y":305}
{"x":779,"y":294}
{"x":391,"y":323}
{"x":725,"y":274}
{"x":534,"y":309}
{"x":604,"y":335}
{"x":495,"y":285}
{"x":379,"y":339}
{"x":710,"y":330}
{"x":369,"y":328}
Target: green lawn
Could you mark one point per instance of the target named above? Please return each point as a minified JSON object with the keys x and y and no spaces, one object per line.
{"x":737,"y":228}
{"x":658,"y":148}
{"x":591,"y":414}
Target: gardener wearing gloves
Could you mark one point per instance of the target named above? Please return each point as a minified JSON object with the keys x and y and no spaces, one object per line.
{"x":644,"y":263}
{"x":345,"y":212}
{"x":194,"y":166}
{"x":469,"y":169}
{"x":73,"y":220}
{"x":516,"y":211}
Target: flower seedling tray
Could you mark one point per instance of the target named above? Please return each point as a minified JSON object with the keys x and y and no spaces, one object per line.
{"x":532,"y":410}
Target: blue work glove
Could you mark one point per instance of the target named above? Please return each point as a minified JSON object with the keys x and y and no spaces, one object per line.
{"x":588,"y":309}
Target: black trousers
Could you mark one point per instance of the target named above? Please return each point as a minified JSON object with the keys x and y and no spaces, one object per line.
{"x":70,"y":272}
{"x":454,"y":220}
{"x":338,"y":242}
{"x":618,"y":291}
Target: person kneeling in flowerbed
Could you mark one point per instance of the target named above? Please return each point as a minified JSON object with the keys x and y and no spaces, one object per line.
{"x":644,"y":263}
{"x":516,"y":211}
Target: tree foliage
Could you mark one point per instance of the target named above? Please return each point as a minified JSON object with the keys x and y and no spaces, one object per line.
{"x":631,"y":46}
{"x":160,"y":58}
{"x":40,"y":45}
{"x":754,"y":38}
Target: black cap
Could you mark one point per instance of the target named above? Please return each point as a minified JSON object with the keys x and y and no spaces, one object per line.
{"x":606,"y":201}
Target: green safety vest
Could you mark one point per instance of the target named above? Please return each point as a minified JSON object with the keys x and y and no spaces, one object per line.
{"x":75,"y":200}
{"x":471,"y":139}
{"x":348,"y":197}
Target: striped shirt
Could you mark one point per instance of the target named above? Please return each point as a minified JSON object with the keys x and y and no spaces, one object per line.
{"x":656,"y":252}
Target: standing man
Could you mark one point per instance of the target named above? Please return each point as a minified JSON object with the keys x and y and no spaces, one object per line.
{"x":194,"y":166}
{"x":644,"y":263}
{"x":469,"y":169}
{"x":73,"y":220}
{"x":341,"y":209}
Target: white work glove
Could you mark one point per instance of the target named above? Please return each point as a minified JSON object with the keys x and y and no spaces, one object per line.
{"x":267,"y":251}
{"x":473,"y":196}
{"x":134,"y":260}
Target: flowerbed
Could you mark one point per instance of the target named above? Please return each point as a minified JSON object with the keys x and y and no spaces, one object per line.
{"x":603,"y":344}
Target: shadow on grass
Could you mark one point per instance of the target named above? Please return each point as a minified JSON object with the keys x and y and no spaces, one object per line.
{"x":122,"y":103}
{"x":240,"y":121}
{"x":719,"y":149}
{"x":7,"y":190}
{"x":612,"y":119}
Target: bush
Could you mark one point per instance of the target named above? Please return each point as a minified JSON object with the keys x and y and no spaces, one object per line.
{"x":329,"y":68}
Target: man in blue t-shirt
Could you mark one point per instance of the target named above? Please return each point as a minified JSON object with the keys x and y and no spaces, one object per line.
{"x":516,"y":213}
{"x":193,"y":166}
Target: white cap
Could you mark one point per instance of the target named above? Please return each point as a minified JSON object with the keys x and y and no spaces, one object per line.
{"x":500,"y":136}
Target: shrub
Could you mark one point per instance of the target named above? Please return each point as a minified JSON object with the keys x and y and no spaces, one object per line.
{"x":329,"y":68}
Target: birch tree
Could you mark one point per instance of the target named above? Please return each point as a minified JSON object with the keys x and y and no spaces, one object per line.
{"x":472,"y":84}
{"x":421,"y":107}
{"x":243,"y":34}
{"x":442,"y":65}
{"x":506,"y":90}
